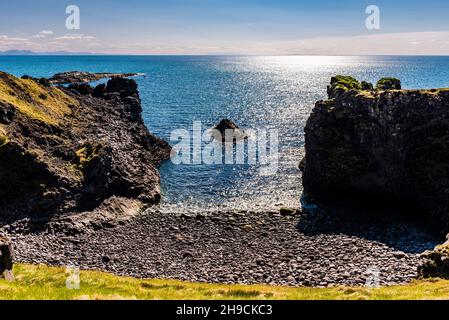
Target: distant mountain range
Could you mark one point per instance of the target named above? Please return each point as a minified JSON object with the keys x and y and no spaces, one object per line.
{"x":34,"y":53}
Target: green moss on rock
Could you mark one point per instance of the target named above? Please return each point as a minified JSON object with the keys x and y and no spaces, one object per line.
{"x":3,"y":140}
{"x":340,"y":84}
{"x":388,"y":84}
{"x":86,"y":154}
{"x":367,"y":85}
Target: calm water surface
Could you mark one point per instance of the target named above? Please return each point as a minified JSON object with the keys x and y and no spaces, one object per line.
{"x":255,"y":92}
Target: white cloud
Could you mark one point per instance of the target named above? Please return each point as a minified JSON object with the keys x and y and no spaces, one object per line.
{"x":8,"y":39}
{"x":75,"y":37}
{"x":43,"y":34}
{"x":409,"y":43}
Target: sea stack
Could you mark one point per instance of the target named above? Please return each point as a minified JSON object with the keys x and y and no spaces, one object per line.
{"x":230,"y":132}
{"x":380,"y":147}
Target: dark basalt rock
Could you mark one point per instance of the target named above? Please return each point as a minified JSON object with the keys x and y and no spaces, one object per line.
{"x":227,"y":127}
{"x":381,"y":148}
{"x":7,"y":113}
{"x":82,"y":76}
{"x":388,"y":84}
{"x":367,"y":85}
{"x":82,"y":88}
{"x":6,"y":256}
{"x":436,"y":262}
{"x":99,"y":91}
{"x":125,"y":87}
{"x":341,"y":84}
{"x":71,"y":151}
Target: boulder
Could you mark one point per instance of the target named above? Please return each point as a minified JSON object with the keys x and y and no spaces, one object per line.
{"x":7,"y":113}
{"x":99,"y":91}
{"x":436,"y":262}
{"x":125,"y":87}
{"x":82,"y":88}
{"x":6,"y":256}
{"x":341,"y":84}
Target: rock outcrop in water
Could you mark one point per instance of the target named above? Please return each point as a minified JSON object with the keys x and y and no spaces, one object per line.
{"x":80,"y":77}
{"x":380,"y":147}
{"x":230,"y":132}
{"x":63,"y":151}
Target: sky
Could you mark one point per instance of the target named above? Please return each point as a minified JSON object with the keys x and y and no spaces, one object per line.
{"x":266,"y":27}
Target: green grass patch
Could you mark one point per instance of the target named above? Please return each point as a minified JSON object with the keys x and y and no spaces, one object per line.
{"x":46,"y":104}
{"x":49,"y":283}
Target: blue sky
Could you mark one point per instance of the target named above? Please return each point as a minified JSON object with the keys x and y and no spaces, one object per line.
{"x":227,"y":26}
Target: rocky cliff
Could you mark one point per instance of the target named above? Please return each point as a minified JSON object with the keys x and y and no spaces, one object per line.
{"x":65,"y":151}
{"x":380,"y":147}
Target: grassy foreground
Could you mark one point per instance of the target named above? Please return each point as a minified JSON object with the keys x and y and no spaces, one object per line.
{"x":42,"y":282}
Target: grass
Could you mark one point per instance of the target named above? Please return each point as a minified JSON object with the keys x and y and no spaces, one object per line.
{"x":42,"y":282}
{"x":46,"y":104}
{"x":3,"y":137}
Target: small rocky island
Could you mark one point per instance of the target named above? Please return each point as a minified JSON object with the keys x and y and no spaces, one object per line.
{"x":229,"y":131}
{"x":68,"y":155}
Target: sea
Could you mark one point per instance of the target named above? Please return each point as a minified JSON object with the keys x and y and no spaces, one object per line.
{"x":266,"y":94}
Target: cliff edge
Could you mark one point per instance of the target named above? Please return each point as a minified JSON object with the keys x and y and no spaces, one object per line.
{"x":66,"y":151}
{"x":380,"y":146}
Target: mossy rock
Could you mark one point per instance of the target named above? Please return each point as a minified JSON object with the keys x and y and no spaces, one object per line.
{"x":46,"y":104}
{"x":341,"y":84}
{"x":3,"y":140}
{"x":367,"y":85}
{"x":389,"y":84}
{"x":87,"y":153}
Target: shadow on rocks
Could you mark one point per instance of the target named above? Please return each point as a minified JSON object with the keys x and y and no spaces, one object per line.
{"x":401,"y":235}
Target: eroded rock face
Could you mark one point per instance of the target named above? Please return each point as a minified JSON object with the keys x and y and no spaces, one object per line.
{"x":65,"y":151}
{"x":381,"y":148}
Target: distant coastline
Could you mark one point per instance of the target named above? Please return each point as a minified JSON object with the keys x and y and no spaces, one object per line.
{"x":49,"y":53}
